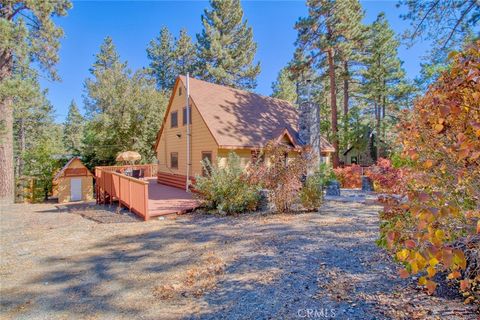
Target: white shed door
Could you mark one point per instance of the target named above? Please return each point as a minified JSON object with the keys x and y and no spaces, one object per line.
{"x":75,"y":189}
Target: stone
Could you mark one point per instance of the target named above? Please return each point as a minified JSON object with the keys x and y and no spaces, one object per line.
{"x":333,"y":188}
{"x":367,"y":184}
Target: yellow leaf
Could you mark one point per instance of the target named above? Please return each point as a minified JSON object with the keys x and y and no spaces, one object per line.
{"x":422,"y":281}
{"x":431,"y":271}
{"x":439,"y":234}
{"x":428,"y":164}
{"x":403,"y":255}
{"x":433,"y":262}
{"x":438,"y":127}
{"x":414,"y":267}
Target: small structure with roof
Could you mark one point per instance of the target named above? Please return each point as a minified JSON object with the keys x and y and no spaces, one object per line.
{"x":74,"y":182}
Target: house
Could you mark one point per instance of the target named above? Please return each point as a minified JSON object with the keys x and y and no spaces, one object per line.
{"x":222,"y":119}
{"x":74,"y":182}
{"x":362,"y":151}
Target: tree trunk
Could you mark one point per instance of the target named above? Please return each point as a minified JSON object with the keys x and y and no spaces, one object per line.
{"x":345,"y":90}
{"x":346,"y":97}
{"x":377,"y":135}
{"x":333,"y":104}
{"x":6,"y":135}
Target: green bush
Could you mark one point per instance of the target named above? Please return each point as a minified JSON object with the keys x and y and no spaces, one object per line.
{"x":311,"y":194}
{"x":227,"y":189}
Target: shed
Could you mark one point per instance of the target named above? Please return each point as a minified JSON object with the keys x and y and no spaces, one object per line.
{"x":74,"y":182}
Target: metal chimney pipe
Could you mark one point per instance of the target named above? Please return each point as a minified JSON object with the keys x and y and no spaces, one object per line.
{"x":188,"y":133}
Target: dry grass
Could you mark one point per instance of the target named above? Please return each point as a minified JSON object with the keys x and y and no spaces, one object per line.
{"x":196,"y":281}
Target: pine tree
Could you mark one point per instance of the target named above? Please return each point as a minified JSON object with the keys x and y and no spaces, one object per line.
{"x":161,"y":53}
{"x":284,"y":87}
{"x":34,"y":126}
{"x":226,"y":48}
{"x":124,"y":110}
{"x":28,"y":34}
{"x":384,"y":74}
{"x":107,"y":57}
{"x":351,"y":47}
{"x":184,"y":54}
{"x":73,"y":130}
{"x":319,"y":35}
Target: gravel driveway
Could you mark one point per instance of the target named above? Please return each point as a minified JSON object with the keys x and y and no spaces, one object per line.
{"x":67,"y":264}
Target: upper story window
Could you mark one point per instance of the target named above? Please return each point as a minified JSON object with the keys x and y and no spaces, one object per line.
{"x":174,"y":119}
{"x":185,"y":115}
{"x":180,"y":91}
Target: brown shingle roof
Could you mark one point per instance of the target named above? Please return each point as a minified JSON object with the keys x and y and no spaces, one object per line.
{"x":238,"y":118}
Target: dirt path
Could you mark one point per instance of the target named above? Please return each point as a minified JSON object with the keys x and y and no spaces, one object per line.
{"x":61,"y":265}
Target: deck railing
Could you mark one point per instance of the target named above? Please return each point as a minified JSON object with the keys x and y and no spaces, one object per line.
{"x":130,"y":192}
{"x":149,"y":170}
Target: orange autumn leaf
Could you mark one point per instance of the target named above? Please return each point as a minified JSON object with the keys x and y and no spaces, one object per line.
{"x":431,"y":286}
{"x":403,"y":273}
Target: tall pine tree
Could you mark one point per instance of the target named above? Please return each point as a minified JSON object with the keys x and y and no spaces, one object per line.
{"x":226,"y":48}
{"x":73,"y":130}
{"x":29,"y":34}
{"x":384,"y":74}
{"x":185,"y":55}
{"x":284,"y":87}
{"x":319,"y":37}
{"x":160,"y":52}
{"x":124,"y":110}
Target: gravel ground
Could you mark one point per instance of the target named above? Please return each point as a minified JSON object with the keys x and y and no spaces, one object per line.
{"x":91,"y":263}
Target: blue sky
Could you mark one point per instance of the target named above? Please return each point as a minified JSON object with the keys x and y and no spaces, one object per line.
{"x":132,"y":24}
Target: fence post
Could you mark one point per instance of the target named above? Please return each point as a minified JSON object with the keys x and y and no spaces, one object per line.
{"x":145,"y":199}
{"x":129,"y":195}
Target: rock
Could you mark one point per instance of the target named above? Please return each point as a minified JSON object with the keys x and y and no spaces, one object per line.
{"x":333,"y":188}
{"x":367,"y":184}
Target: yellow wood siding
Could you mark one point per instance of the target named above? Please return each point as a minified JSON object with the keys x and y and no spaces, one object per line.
{"x":62,"y":185}
{"x":63,"y":189}
{"x":244,"y":154}
{"x":175,"y":139}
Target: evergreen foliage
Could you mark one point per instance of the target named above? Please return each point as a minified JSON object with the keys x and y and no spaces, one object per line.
{"x":284,"y":87}
{"x":124,"y":110}
{"x":73,"y":130}
{"x":226,"y":48}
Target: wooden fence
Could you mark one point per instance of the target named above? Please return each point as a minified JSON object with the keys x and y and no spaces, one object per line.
{"x":113,"y":186}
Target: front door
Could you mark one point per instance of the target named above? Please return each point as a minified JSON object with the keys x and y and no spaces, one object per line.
{"x":75,"y":189}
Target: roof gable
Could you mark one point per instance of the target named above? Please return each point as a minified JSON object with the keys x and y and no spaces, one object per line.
{"x":70,"y":162}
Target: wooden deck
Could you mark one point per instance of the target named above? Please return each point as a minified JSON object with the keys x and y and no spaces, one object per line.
{"x":164,"y":200}
{"x":145,"y":197}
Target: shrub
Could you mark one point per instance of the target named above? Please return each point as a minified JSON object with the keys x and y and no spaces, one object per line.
{"x":349,"y":177}
{"x":227,"y":188}
{"x":441,"y":136}
{"x":282,"y":178}
{"x":311,"y":194}
{"x":387,"y":178}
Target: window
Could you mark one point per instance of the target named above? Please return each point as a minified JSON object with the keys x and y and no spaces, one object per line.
{"x":206,"y":155}
{"x":174,"y":160}
{"x":180,"y":91}
{"x":174,"y":119}
{"x":185,"y":115}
